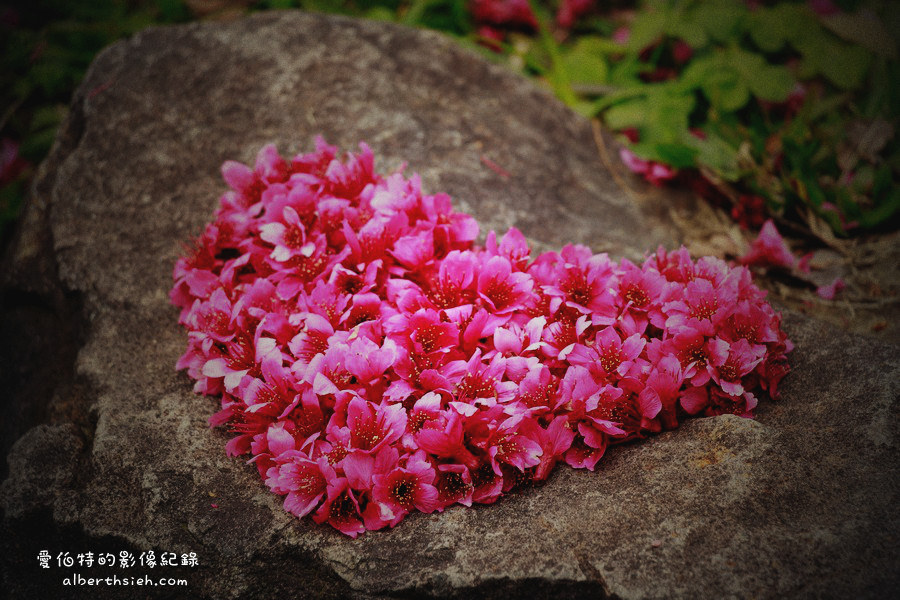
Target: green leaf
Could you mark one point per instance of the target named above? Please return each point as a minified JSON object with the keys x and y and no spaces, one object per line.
{"x":772,"y":83}
{"x":720,"y":20}
{"x":697,"y":70}
{"x":771,"y":28}
{"x":715,"y":153}
{"x":626,"y":93}
{"x":884,"y":211}
{"x":632,"y":113}
{"x":595,"y":44}
{"x":676,"y":155}
{"x":583,"y":66}
{"x":585,"y":108}
{"x":726,"y":90}
{"x":863,"y":29}
{"x":669,"y":110}
{"x":693,"y":34}
{"x":646,"y":29}
{"x":381,"y":13}
{"x":846,"y":66}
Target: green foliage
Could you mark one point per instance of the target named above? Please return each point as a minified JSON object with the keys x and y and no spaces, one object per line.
{"x":43,"y":59}
{"x":709,"y":86}
{"x":767,"y":99}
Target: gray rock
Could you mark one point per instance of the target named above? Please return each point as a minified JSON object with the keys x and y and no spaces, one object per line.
{"x":799,"y":503}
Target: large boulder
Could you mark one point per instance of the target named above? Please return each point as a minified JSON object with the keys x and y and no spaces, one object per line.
{"x":113,"y":451}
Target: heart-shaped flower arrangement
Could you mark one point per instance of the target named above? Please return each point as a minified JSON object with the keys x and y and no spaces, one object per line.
{"x":374,"y":361}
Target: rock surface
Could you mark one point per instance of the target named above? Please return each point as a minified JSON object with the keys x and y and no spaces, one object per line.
{"x":799,"y":503}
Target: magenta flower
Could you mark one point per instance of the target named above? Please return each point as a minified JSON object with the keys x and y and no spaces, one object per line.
{"x":510,"y":13}
{"x":502,"y":290}
{"x":829,"y":291}
{"x":729,"y":363}
{"x":769,"y":249}
{"x":454,"y":484}
{"x":303,"y":482}
{"x":407,"y":488}
{"x":340,"y":508}
{"x":429,"y":334}
{"x":609,"y":355}
{"x":654,"y":172}
{"x":373,"y":361}
{"x":514,"y":247}
{"x":288,"y":236}
{"x":372,"y":427}
{"x":572,"y":10}
{"x":513,"y":443}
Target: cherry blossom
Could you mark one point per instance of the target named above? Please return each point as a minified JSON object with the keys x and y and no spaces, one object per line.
{"x":372,"y":361}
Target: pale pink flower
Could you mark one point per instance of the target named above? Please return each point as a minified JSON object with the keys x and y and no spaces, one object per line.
{"x":829,"y":291}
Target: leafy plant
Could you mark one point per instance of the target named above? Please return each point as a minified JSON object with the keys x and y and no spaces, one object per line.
{"x":778,"y":109}
{"x":777,"y":102}
{"x":46,"y":47}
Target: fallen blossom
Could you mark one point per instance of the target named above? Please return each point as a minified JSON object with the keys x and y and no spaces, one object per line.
{"x":654,"y":172}
{"x":372,"y":361}
{"x":769,"y":249}
{"x":829,"y":291}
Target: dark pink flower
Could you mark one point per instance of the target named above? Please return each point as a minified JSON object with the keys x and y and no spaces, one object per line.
{"x":371,"y":426}
{"x":769,"y":249}
{"x":454,"y":484}
{"x":11,"y":164}
{"x":373,"y":360}
{"x":407,"y":488}
{"x":654,"y":172}
{"x":340,"y":508}
{"x":510,"y":13}
{"x":609,"y":355}
{"x":502,"y":290}
{"x":303,"y":481}
{"x":729,"y":363}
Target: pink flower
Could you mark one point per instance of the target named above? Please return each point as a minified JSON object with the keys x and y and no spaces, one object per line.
{"x":609,"y":355}
{"x":503,"y":12}
{"x":702,"y":306}
{"x":303,"y":481}
{"x":288,"y":236}
{"x":681,"y":52}
{"x":11,"y":164}
{"x":823,"y":8}
{"x":581,"y":281}
{"x":828,"y":292}
{"x":374,"y":361}
{"x":663,"y":389}
{"x":513,"y":246}
{"x":340,"y":509}
{"x":729,"y":363}
{"x":250,"y":183}
{"x":512,"y":445}
{"x":454,"y":484}
{"x":769,"y":249}
{"x":428,"y":333}
{"x":555,"y":441}
{"x":502,"y":290}
{"x":407,"y":488}
{"x":654,"y":172}
{"x":372,"y":427}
